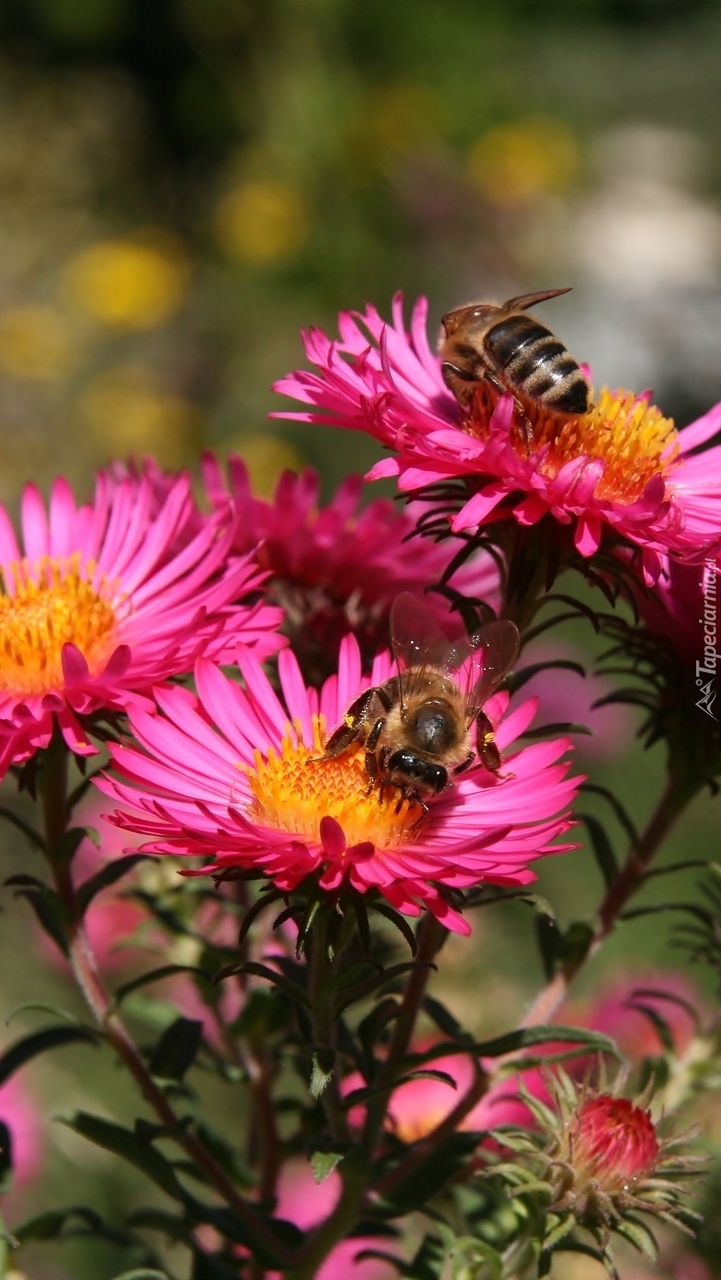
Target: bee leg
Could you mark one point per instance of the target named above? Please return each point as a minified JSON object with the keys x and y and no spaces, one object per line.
{"x":371,"y":766}
{"x":413,"y":796}
{"x":348,"y":730}
{"x":488,"y":752}
{"x":465,"y":764}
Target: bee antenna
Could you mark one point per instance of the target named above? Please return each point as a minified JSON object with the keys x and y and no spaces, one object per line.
{"x":526,"y":300}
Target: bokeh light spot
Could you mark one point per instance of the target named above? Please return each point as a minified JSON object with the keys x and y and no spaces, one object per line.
{"x":523,"y":160}
{"x":128,"y":284}
{"x":262,"y":222}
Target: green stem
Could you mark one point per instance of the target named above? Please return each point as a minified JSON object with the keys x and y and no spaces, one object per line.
{"x":55,"y":816}
{"x":431,"y":935}
{"x":337,"y":1226}
{"x":420,"y":1151}
{"x":321,"y":970}
{"x":674,"y":800}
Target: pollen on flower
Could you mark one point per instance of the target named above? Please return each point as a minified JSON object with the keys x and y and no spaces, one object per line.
{"x":45,"y":606}
{"x":624,"y":431}
{"x":296,"y":788}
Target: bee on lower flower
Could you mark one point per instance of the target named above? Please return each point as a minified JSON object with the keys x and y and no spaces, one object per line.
{"x":416,"y":726}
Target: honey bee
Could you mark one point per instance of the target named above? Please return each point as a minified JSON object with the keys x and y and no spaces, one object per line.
{"x":514,"y":352}
{"x":416,"y":727}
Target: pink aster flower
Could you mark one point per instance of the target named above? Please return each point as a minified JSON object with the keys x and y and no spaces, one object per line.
{"x":336,"y":568}
{"x":105,"y":600}
{"x":19,"y":1112}
{"x":235,"y":774}
{"x":682,"y":607}
{"x":626,"y":1010}
{"x":307,"y":1203}
{"x":621,"y":467}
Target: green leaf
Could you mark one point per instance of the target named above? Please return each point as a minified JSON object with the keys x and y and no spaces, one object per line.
{"x":176,"y":1049}
{"x":290,"y":988}
{"x":122,"y":1142}
{"x":639,"y":1235}
{"x":6,"y":1156}
{"x":38,"y":1007}
{"x":428,"y":1176}
{"x":50,"y":910}
{"x":169,"y":1224}
{"x":389,"y":913}
{"x":602,"y":848}
{"x":522,"y":1038}
{"x":271,"y":1247}
{"x":142,"y":1273}
{"x":38,"y":1042}
{"x":68,"y":844}
{"x":321,"y":1073}
{"x":109,"y":874}
{"x":156,"y":975}
{"x":32,"y":835}
{"x":444,"y":1019}
{"x":262,"y":1015}
{"x":50,"y":1225}
{"x":576,"y":942}
{"x":323,"y":1163}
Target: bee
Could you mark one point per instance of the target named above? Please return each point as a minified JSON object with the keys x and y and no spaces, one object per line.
{"x":416,"y":727}
{"x":514,"y":352}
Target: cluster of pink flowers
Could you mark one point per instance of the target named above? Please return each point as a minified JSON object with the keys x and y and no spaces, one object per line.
{"x":107,"y":604}
{"x":212,"y":648}
{"x":637,"y":478}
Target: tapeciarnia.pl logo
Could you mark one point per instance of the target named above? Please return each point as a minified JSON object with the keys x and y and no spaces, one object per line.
{"x":707,"y":668}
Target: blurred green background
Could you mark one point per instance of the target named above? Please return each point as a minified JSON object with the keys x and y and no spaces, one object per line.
{"x":186,"y":183}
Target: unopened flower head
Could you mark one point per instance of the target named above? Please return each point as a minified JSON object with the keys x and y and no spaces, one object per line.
{"x":604,"y":1159}
{"x":622,"y":466}
{"x":238,"y":776}
{"x":102,"y":601}
{"x":337,"y":568}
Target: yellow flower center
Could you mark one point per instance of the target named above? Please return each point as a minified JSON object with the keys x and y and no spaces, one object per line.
{"x":51,"y":604}
{"x":295,"y":789}
{"x":628,"y":435}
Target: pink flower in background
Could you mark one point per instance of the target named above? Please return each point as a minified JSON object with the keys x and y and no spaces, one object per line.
{"x":566,"y":697}
{"x":233,"y":774}
{"x":618,"y":1011}
{"x":103,"y":601}
{"x":337,"y":568}
{"x":418,"y":1106}
{"x":621,"y":467}
{"x":307,"y":1203}
{"x":19,"y":1112}
{"x":674,"y":607}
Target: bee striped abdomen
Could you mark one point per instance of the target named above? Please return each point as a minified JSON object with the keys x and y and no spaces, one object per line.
{"x":531,"y":360}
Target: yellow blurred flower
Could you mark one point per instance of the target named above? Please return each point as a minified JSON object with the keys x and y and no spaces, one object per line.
{"x":262,"y":222}
{"x":35,"y":343}
{"x":126,"y":413}
{"x":266,"y":457}
{"x":530,"y":157}
{"x":127,"y":283}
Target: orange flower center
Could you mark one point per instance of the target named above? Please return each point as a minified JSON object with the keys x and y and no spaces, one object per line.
{"x":45,"y":606}
{"x":296,"y":788}
{"x":628,"y":435}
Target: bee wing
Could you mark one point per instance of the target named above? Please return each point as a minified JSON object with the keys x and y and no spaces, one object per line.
{"x":482,"y":661}
{"x":417,"y":641}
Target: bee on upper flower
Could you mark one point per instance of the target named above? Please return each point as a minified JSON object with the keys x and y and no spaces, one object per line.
{"x":620,"y":468}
